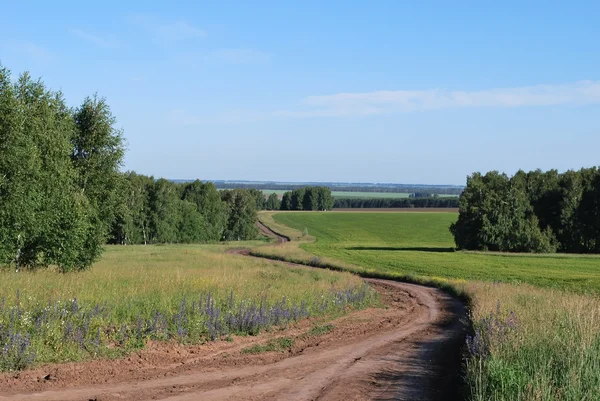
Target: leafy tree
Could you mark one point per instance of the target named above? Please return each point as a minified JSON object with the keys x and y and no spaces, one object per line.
{"x":97,"y":156}
{"x":273,"y":202}
{"x":496,"y":215}
{"x":297,"y":199}
{"x":164,"y":215}
{"x":286,"y":201}
{"x":131,"y":225}
{"x":43,"y":218}
{"x":531,"y":212}
{"x":259,"y":196}
{"x":325,"y":200}
{"x":208,"y":201}
{"x":242,"y":215}
{"x":191,"y":224}
{"x":589,"y":215}
{"x":310,"y":199}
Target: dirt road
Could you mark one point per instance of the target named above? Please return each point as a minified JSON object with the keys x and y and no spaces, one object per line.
{"x":409,"y":350}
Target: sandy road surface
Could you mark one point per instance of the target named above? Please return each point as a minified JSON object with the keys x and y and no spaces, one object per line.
{"x":407,"y":351}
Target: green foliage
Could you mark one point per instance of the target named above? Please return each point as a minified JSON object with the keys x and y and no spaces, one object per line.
{"x":273,"y":202}
{"x":259,"y":197}
{"x":161,"y":211}
{"x":191,"y":224}
{"x":45,"y":218}
{"x":208,"y":202}
{"x":131,"y":224}
{"x":98,"y":151}
{"x":529,"y":212}
{"x":165,"y":211}
{"x":242,"y":215}
{"x":430,"y":202}
{"x":286,"y":201}
{"x":308,"y":198}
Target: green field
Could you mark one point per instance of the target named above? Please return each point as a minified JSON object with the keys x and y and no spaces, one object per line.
{"x":183,"y":293}
{"x":536,"y":318}
{"x":420,"y":244}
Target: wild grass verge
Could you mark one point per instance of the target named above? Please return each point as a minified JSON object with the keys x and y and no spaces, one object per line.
{"x":188,"y":294}
{"x":533,"y":344}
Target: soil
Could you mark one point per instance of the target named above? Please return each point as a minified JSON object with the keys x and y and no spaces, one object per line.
{"x":408,"y":350}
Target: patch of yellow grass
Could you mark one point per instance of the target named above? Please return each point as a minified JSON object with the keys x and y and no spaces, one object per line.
{"x":157,"y":276}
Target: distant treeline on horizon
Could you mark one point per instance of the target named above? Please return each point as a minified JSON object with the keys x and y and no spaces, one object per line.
{"x":341,"y":187}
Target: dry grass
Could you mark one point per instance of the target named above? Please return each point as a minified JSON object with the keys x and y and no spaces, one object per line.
{"x":547,"y":349}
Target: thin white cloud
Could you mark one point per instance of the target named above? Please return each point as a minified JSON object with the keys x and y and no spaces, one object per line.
{"x":168,"y":31}
{"x":241,"y":56}
{"x":28,"y":49}
{"x":390,"y":102}
{"x":380,"y":102}
{"x":109,"y":41}
{"x":179,"y":30}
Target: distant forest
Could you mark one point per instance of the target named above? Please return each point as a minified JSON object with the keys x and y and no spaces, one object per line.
{"x":359,"y":187}
{"x":430,"y":202}
{"x":531,"y":212}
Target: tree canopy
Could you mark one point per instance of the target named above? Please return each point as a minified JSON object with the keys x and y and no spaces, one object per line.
{"x":530,"y":212}
{"x":58,"y":173}
{"x":308,"y":198}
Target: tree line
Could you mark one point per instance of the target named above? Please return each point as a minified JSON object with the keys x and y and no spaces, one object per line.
{"x":423,"y":190}
{"x":161,"y":211}
{"x":530,"y":212}
{"x":62,"y":195}
{"x":307,"y":198}
{"x":431,"y":202}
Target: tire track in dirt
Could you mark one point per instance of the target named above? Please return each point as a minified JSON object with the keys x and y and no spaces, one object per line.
{"x":409,"y":351}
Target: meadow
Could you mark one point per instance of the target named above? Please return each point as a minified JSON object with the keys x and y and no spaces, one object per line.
{"x":536,"y":318}
{"x":420,"y":244}
{"x":183,"y":293}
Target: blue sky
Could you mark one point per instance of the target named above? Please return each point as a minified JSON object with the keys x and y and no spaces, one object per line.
{"x":378,"y":91}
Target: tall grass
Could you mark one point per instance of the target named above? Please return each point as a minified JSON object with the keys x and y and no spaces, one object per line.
{"x":184,"y":293}
{"x":533,"y":344}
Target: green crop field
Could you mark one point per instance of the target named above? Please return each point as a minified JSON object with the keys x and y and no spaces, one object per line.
{"x":536,"y":318}
{"x":420,"y":244}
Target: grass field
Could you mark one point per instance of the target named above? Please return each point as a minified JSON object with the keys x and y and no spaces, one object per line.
{"x":536,"y":319}
{"x":186,"y":293}
{"x":420,"y":244}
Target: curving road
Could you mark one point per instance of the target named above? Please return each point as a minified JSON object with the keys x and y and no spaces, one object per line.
{"x":407,"y":351}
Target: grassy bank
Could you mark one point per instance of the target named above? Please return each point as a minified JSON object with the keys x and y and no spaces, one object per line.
{"x":536,"y":318}
{"x":184,"y":293}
